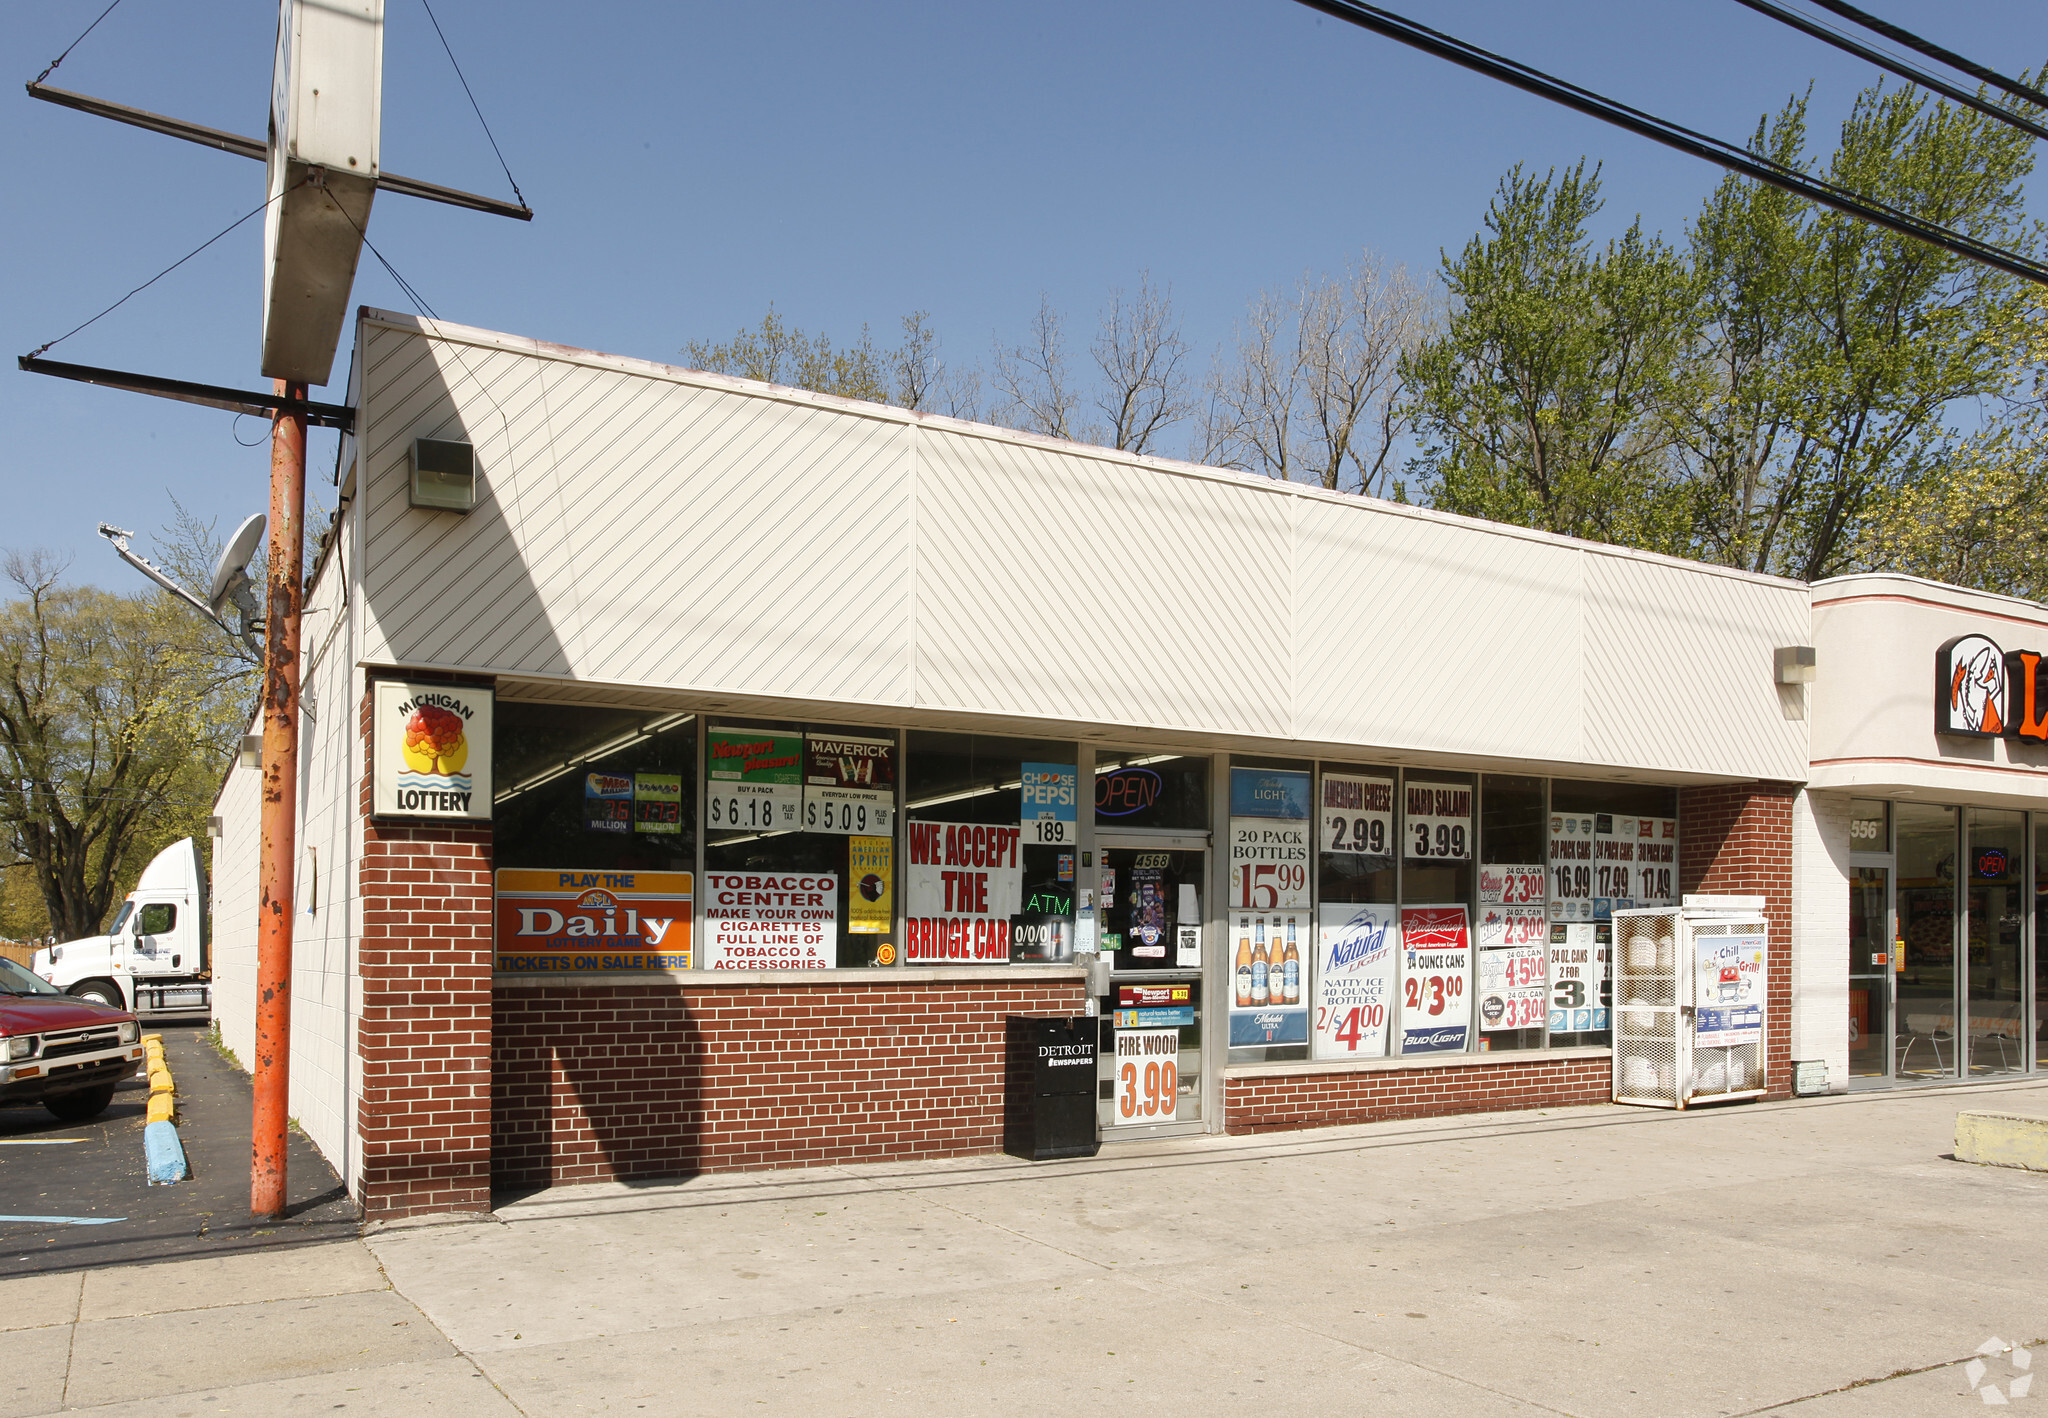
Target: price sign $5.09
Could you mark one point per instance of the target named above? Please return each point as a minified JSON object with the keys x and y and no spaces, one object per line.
{"x":852,"y":819}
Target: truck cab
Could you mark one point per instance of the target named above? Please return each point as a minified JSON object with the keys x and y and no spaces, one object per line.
{"x":153,"y":958}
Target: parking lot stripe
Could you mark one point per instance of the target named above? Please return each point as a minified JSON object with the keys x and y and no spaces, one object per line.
{"x":69,"y":1220}
{"x":40,"y":1141}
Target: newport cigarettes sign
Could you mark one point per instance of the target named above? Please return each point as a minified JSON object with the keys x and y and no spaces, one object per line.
{"x":430,"y":750}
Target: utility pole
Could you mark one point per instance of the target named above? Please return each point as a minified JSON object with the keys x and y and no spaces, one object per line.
{"x":279,"y":813}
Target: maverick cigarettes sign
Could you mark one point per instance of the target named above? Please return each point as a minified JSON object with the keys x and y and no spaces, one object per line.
{"x":1983,"y":692}
{"x":430,"y":750}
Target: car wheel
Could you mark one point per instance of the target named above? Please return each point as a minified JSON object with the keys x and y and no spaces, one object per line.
{"x":101,"y":994}
{"x":77,"y":1107}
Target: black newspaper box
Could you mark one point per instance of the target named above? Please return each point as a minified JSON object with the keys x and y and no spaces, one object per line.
{"x":1049,"y":1088}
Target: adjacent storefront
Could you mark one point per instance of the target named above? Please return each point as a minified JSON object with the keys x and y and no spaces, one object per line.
{"x":1929,"y":767}
{"x":726,"y":777}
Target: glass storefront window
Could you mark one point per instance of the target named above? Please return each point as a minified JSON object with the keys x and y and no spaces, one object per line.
{"x":1996,"y":912}
{"x":990,"y":848}
{"x":1151,"y":792}
{"x":1436,"y":1011}
{"x":588,"y":789}
{"x":1870,"y":971}
{"x":1514,"y":927}
{"x":1925,"y":979}
{"x":1870,"y":826}
{"x":2041,"y":941}
{"x":799,"y":846}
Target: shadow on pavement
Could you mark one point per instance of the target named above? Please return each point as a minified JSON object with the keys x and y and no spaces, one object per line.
{"x":102,"y":1175}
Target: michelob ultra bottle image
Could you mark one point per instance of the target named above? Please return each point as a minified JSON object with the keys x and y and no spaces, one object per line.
{"x":1243,"y":972}
{"x":1262,"y":973}
{"x":1291,"y":971}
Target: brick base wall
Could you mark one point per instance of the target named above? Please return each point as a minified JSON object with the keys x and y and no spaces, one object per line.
{"x":1317,"y":1098}
{"x":1735,"y":839}
{"x":595,"y":1082}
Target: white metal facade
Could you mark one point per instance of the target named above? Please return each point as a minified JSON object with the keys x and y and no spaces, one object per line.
{"x":647,"y":528}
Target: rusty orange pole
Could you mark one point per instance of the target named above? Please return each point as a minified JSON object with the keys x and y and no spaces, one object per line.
{"x":280,"y":807}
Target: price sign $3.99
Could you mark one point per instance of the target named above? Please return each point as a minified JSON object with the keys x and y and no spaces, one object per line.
{"x":1147,"y":1091}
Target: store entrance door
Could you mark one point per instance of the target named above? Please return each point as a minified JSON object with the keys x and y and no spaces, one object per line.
{"x":1152,"y":933}
{"x":1870,"y":972}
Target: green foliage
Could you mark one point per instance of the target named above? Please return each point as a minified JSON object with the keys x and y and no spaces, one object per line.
{"x":1781,"y":395}
{"x":1537,"y":405}
{"x":116,"y":713}
{"x":777,"y":352}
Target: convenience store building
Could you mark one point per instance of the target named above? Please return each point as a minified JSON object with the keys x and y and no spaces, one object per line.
{"x":701,"y":783}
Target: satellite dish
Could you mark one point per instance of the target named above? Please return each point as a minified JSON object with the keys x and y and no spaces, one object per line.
{"x":234,"y":561}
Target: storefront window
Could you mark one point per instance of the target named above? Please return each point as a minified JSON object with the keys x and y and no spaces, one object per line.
{"x":1612,"y":846}
{"x":1996,"y":911}
{"x":1925,"y":900}
{"x":799,"y":854}
{"x":1358,"y":916}
{"x":990,"y":841}
{"x":1151,"y":792}
{"x":2041,"y":941}
{"x":595,"y":838}
{"x":1514,"y":925}
{"x":1438,"y":843}
{"x":1870,"y":825}
{"x":1268,"y":894}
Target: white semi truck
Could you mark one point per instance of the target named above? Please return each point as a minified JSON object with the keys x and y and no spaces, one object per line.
{"x":153,"y":958}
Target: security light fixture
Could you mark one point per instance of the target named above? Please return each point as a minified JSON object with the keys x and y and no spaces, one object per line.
{"x":443,"y":475}
{"x":1795,"y":664}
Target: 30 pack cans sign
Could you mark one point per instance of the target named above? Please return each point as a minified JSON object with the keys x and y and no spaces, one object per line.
{"x":430,"y":750}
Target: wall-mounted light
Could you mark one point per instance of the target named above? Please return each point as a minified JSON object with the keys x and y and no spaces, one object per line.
{"x":1795,"y":664}
{"x":443,"y":475}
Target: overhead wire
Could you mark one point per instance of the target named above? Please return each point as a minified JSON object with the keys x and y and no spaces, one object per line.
{"x":1828,"y":34}
{"x":1900,"y":35}
{"x":463,"y":79}
{"x":39,"y":349}
{"x":51,"y":67}
{"x":1672,"y":135}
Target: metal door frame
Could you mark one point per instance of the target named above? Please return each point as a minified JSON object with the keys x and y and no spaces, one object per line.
{"x":1887,"y":861}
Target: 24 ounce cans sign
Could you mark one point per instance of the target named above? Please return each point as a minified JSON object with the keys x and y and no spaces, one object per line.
{"x":430,"y":750}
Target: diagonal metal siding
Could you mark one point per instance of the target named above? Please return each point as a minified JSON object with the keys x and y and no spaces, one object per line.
{"x":648,"y":527}
{"x":1679,"y":671}
{"x":1415,"y":634}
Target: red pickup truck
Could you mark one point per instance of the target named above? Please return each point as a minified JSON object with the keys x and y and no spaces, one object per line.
{"x":65,"y":1053}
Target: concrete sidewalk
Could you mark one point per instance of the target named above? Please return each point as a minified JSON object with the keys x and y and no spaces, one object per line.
{"x":1821,"y":1258}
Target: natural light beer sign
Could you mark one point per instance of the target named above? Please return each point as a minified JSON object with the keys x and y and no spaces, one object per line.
{"x":1983,"y":692}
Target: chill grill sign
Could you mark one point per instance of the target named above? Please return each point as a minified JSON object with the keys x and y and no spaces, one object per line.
{"x":430,"y":750}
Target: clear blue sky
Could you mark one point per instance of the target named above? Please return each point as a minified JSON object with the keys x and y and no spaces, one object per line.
{"x":691,"y":162}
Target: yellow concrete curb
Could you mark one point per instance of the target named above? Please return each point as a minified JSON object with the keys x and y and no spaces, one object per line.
{"x":161,"y":1107}
{"x":160,"y":1081}
{"x":2003,"y":1140}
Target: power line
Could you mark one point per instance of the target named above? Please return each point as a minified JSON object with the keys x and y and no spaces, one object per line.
{"x":1934,"y":51}
{"x":51,"y":67}
{"x":1827,"y":34}
{"x":165,"y":271}
{"x":1672,"y":135}
{"x":472,"y":103}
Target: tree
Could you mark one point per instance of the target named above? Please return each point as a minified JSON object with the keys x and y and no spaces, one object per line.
{"x":1312,"y":388}
{"x":1535,"y":403}
{"x":115,"y":715}
{"x":911,"y":376}
{"x":1829,"y":352}
{"x":1032,"y":379}
{"x":1141,"y":356}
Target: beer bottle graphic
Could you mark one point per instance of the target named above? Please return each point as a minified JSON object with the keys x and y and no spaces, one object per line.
{"x":1262,"y":974}
{"x":1292,"y":974}
{"x":1243,"y":971}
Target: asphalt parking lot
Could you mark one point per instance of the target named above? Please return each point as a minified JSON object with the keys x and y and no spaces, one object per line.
{"x":86,"y":1183}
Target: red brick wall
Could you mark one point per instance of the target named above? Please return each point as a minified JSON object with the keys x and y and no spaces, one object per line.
{"x":599,"y":1081}
{"x":1736,"y":840}
{"x":424,"y":1036}
{"x":1323,"y":1098}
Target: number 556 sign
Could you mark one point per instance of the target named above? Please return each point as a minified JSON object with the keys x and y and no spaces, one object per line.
{"x":1268,"y":864}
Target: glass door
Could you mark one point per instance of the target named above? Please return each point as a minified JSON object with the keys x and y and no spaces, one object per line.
{"x":1995,"y":973}
{"x":1151,"y":932}
{"x":1925,"y":1042}
{"x":1870,"y":972}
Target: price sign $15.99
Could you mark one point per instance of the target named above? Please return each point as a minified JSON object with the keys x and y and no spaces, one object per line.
{"x":1268,"y":886}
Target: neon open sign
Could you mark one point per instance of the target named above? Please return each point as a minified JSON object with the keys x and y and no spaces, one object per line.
{"x":1126,"y":791}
